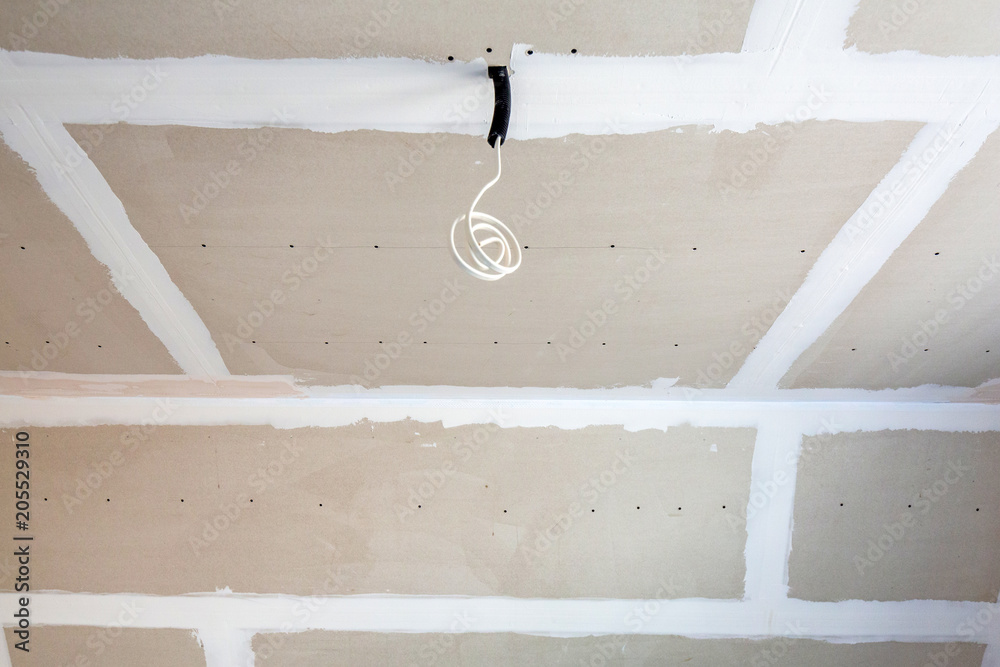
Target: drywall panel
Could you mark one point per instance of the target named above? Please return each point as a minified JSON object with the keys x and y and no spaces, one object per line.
{"x":116,"y":646}
{"x":59,"y":310}
{"x":422,"y":29}
{"x":325,"y":256}
{"x":454,"y":650}
{"x":929,"y":315}
{"x":403,"y":507}
{"x":937,"y":27}
{"x":897,"y":515}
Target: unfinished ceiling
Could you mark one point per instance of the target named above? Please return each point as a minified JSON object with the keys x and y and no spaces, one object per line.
{"x":737,"y":404}
{"x":425,"y":29}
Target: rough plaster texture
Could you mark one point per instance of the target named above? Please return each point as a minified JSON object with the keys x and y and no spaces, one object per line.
{"x":897,"y":515}
{"x":290,"y":281}
{"x":404,"y":507}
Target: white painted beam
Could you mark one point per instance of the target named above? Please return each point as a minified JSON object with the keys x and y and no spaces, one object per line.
{"x":770,"y":509}
{"x":458,"y":408}
{"x":863,"y":245}
{"x":84,"y":196}
{"x":852,"y":621}
{"x":553,"y":96}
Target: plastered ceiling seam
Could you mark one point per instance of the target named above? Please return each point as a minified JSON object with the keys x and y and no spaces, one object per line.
{"x":5,"y":652}
{"x":850,"y":621}
{"x":51,"y":384}
{"x":817,"y":26}
{"x":770,"y":509}
{"x":991,"y":657}
{"x":284,"y":413}
{"x":84,"y":196}
{"x":610,"y":95}
{"x":889,"y":214}
{"x":226,"y":646}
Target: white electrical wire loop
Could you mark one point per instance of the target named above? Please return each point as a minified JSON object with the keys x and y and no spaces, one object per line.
{"x":509,"y":256}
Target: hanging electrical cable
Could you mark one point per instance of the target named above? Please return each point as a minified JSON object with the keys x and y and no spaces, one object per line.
{"x":491,"y":231}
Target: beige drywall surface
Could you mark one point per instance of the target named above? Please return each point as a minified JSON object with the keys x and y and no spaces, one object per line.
{"x":324,"y":649}
{"x":115,"y":646}
{"x":937,"y":27}
{"x":423,"y":29}
{"x":897,"y":515}
{"x":59,"y":310}
{"x":712,"y":234}
{"x":405,"y":507}
{"x":929,"y":316}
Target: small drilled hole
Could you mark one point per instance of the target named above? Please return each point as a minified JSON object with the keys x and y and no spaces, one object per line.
{"x":376,"y":246}
{"x":572,"y":50}
{"x":801,"y":250}
{"x":530,"y":52}
{"x":977,"y":509}
{"x":723,"y":507}
{"x":678,"y":509}
{"x":505,"y":511}
{"x":321,"y":504}
{"x":182,"y":500}
{"x":612,"y":245}
{"x":451,"y":57}
{"x":637,"y":507}
{"x":489,"y":50}
{"x":251,"y":500}
{"x":841,"y":504}
{"x":203,"y":245}
{"x":22,"y":247}
{"x":290,"y":245}
{"x":937,"y":253}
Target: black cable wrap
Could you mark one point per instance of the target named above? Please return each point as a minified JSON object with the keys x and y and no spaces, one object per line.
{"x":501,"y":105}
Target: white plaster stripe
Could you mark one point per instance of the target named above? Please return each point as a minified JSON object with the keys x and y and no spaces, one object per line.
{"x":48,"y":384}
{"x":553,"y":95}
{"x":769,"y":510}
{"x":780,"y":26}
{"x":226,"y":646}
{"x":4,"y":652}
{"x":850,"y":621}
{"x":863,"y":245}
{"x":82,"y":193}
{"x":808,"y":418}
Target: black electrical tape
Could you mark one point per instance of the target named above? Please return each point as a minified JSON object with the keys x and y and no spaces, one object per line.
{"x":501,"y":106}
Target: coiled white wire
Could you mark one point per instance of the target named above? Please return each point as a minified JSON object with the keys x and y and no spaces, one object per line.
{"x":487,"y":268}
